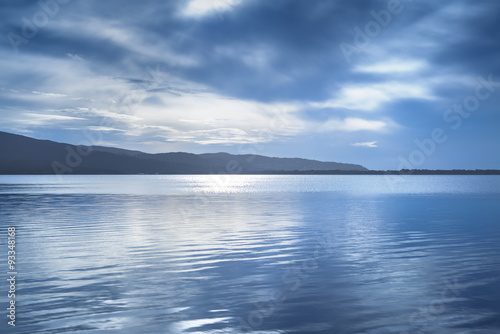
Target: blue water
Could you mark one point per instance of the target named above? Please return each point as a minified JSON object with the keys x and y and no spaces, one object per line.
{"x":253,"y":254}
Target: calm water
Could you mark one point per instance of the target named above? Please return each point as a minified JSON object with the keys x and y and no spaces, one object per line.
{"x":253,"y":254}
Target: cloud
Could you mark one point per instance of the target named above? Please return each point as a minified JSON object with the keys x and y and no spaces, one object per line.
{"x":199,"y":8}
{"x":75,"y":57}
{"x":103,"y":129}
{"x":394,"y":66}
{"x":366,"y":144}
{"x":49,"y":94}
{"x":373,"y":96}
{"x":37,"y":119}
{"x":255,"y":56}
{"x":120,"y":41}
{"x":176,"y":72}
{"x":224,"y":136}
{"x":105,"y":114}
{"x":353,"y":124}
{"x":209,"y":118}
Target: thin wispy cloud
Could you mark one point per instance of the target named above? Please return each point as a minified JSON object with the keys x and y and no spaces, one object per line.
{"x":34,"y":119}
{"x":353,"y":124}
{"x":392,"y":67}
{"x":371,"y":144}
{"x":372,"y":97}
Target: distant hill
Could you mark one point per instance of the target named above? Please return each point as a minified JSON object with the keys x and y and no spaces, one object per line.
{"x":25,"y":155}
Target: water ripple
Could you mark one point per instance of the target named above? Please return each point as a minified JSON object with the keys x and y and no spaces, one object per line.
{"x":255,"y":256}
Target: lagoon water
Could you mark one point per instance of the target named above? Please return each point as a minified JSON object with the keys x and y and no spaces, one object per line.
{"x":253,"y":254}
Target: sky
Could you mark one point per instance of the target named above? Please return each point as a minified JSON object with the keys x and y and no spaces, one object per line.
{"x":385,"y":84}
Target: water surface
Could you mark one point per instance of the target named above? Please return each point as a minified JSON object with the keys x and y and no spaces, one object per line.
{"x":254,"y":254}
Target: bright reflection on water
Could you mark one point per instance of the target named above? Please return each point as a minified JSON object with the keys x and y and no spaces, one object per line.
{"x":256,"y":254}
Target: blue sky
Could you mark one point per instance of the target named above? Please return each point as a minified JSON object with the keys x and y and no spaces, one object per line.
{"x":386,"y":84}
